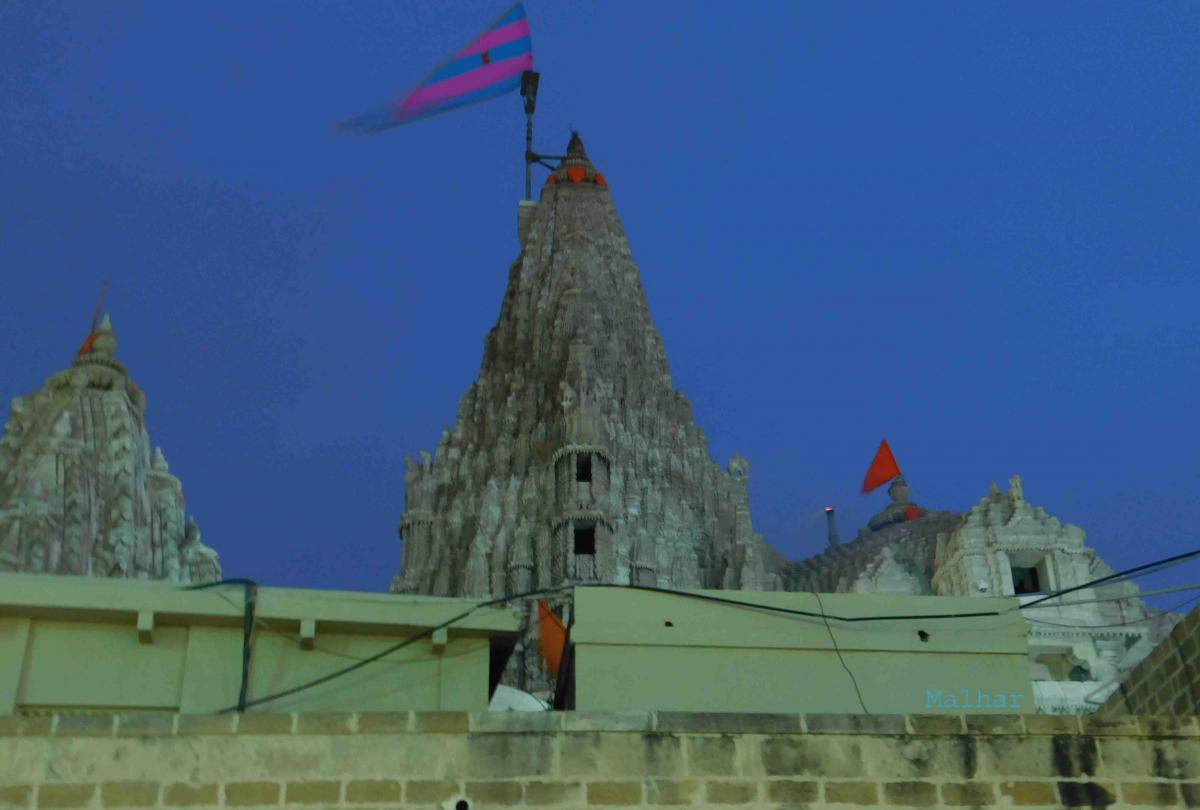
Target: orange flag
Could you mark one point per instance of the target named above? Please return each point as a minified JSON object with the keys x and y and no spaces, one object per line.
{"x":553,"y":637}
{"x":883,"y":468}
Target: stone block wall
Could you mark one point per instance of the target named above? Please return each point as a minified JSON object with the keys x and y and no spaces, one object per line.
{"x":1167,"y":681}
{"x":578,"y":760}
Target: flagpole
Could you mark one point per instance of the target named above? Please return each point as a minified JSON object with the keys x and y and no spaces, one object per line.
{"x":529,"y":87}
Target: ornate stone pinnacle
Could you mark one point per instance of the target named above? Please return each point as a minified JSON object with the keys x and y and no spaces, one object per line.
{"x":575,"y":167}
{"x":105,"y":342}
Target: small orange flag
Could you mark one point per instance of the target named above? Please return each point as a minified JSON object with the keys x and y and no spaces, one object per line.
{"x":883,"y":468}
{"x":552,"y":636}
{"x":86,"y":348}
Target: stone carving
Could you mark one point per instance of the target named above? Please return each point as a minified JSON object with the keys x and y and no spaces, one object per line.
{"x":573,"y":459}
{"x":80,"y":491}
{"x":574,"y":402}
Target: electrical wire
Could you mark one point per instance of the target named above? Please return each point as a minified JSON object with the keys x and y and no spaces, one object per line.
{"x":837,"y":650}
{"x":1125,"y":598}
{"x":1159,"y":615}
{"x":1142,"y":569}
{"x":429,"y":631}
{"x":260,"y":621}
{"x":1148,"y":568}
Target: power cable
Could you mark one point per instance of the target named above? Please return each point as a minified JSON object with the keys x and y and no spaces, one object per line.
{"x":373,"y":658}
{"x":1148,"y":568}
{"x":1108,"y":599}
{"x":837,"y":650}
{"x":1159,"y":615}
{"x":244,"y":704}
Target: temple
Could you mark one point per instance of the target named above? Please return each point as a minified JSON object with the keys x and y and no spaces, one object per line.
{"x":574,"y":460}
{"x":80,"y":491}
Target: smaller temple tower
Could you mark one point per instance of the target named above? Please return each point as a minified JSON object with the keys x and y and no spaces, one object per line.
{"x":1079,"y":645}
{"x":80,"y":490}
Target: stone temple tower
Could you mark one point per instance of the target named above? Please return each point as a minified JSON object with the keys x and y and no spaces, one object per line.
{"x":80,"y":492}
{"x":573,"y":458}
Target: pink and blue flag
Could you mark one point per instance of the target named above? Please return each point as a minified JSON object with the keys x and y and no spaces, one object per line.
{"x":489,"y":67}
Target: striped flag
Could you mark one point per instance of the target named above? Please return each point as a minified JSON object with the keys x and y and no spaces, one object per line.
{"x":489,"y":67}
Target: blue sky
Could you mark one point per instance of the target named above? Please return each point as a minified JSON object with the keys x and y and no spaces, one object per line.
{"x":968,"y":228}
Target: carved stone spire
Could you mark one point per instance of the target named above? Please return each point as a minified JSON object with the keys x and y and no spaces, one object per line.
{"x":80,"y":492}
{"x":573,"y":432}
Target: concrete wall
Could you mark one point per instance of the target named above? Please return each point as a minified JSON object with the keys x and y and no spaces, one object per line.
{"x":1168,"y":680}
{"x":591,"y":760}
{"x":653,"y":651}
{"x":85,"y":643}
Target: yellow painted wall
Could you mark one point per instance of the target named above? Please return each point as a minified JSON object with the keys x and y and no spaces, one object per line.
{"x":73,"y":642}
{"x":641,"y":650}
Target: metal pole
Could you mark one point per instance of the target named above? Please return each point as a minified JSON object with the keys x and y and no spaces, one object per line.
{"x":528,"y":150}
{"x":529,"y":88}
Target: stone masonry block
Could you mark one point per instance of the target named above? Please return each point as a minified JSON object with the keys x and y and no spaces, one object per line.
{"x":190,"y":724}
{"x":936,"y":723}
{"x":385,"y":723}
{"x":15,"y":795}
{"x":667,"y":792}
{"x":1121,"y":726}
{"x":608,"y":721}
{"x":430,"y":791}
{"x":516,"y":722}
{"x":728,"y":723}
{"x":558,"y":794}
{"x":1191,"y":794}
{"x":1179,"y":726}
{"x":811,"y":756}
{"x":443,"y":722}
{"x":1051,"y":724}
{"x":325,"y":723}
{"x":711,"y":756}
{"x":909,"y":794}
{"x":614,"y":793}
{"x":312,"y":792}
{"x":510,"y":755}
{"x":1087,"y":794}
{"x":17,"y":726}
{"x":988,"y":724}
{"x":1028,"y":794}
{"x":265,"y":724}
{"x":920,"y":758}
{"x":852,"y":793}
{"x":972,"y":794}
{"x":1153,"y":794}
{"x":372,"y":791}
{"x":855,"y":724}
{"x":790,"y":791}
{"x":35,"y":726}
{"x":129,"y":794}
{"x":184,"y":795}
{"x":621,"y":755}
{"x":730,"y":792}
{"x":70,"y":725}
{"x":1019,"y":757}
{"x":494,"y":793}
{"x":146,"y":725}
{"x":57,"y":796}
{"x":1163,"y":759}
{"x":242,"y":794}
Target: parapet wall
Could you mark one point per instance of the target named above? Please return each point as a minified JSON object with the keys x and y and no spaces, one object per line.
{"x":1167,"y":681}
{"x":424,"y":760}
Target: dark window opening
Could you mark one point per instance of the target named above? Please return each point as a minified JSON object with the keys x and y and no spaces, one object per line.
{"x":585,"y":540}
{"x":1025,"y":580}
{"x":583,"y":468}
